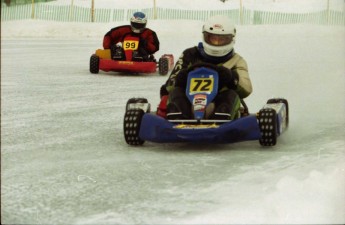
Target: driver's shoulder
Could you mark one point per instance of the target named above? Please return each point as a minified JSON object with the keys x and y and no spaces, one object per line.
{"x":235,"y":59}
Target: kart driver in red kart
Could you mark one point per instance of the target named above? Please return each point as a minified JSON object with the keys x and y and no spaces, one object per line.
{"x":216,"y":49}
{"x":148,"y":40}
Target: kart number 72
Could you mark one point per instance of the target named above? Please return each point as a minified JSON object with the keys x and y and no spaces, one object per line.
{"x":198,"y":85}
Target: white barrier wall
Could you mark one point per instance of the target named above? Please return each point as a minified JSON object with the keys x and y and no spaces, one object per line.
{"x":72,"y":13}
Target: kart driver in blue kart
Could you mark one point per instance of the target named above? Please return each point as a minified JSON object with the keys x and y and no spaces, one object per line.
{"x":216,"y":51}
{"x":148,"y":40}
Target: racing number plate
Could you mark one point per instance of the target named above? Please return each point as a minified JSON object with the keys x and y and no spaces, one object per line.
{"x":202,"y":88}
{"x":201,"y":85}
{"x":130,"y":45}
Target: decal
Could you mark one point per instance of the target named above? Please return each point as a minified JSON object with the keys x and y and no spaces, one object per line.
{"x":130,"y":45}
{"x":201,"y":85}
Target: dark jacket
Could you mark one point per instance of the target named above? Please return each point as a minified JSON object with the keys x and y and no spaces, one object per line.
{"x":232,"y":61}
{"x":148,"y":38}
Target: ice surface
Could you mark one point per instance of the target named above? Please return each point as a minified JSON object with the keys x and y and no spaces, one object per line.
{"x":64,"y":159}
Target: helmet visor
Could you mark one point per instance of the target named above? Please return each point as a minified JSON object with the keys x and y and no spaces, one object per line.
{"x":138,"y":26}
{"x":218,"y":39}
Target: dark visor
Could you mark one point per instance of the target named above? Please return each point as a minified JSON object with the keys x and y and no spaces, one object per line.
{"x":138,"y":25}
{"x":218,"y":39}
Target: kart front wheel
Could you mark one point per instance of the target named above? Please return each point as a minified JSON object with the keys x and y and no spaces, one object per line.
{"x":268,"y":127}
{"x":94,"y":64}
{"x":131,"y":126}
{"x":138,"y":101}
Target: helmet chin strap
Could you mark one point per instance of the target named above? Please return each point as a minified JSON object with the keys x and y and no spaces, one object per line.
{"x":214,"y":53}
{"x":214,"y":59}
{"x":217,"y":51}
{"x":137,"y":31}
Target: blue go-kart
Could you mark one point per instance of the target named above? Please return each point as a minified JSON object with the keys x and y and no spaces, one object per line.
{"x":266,"y":126}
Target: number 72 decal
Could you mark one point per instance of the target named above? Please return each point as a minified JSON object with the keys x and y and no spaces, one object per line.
{"x":199,"y":85}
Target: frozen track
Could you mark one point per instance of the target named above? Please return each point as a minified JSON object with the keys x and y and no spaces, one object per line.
{"x":64,"y":158}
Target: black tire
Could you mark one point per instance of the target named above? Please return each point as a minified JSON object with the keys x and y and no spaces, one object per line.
{"x":94,"y":64}
{"x":268,"y":127}
{"x":136,"y":100}
{"x":131,"y":126}
{"x":281,"y":100}
{"x":163,"y":66}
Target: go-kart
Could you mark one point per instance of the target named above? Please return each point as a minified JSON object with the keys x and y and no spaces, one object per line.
{"x":104,"y":60}
{"x":141,"y":125}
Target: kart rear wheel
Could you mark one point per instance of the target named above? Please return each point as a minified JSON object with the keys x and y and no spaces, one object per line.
{"x":163,"y":66}
{"x":94,"y":64}
{"x":281,"y":100}
{"x":268,"y":127}
{"x":131,"y":126}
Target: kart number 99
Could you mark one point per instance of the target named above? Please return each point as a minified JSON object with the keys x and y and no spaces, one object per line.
{"x":131,"y":45}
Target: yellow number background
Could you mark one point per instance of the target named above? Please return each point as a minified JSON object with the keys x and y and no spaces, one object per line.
{"x":201,"y":85}
{"x":130,"y":45}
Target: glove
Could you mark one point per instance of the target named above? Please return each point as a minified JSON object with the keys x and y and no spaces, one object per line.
{"x":117,"y":51}
{"x":227,"y":77}
{"x":142,"y":51}
{"x":113,"y":50}
{"x":142,"y":43}
{"x":234,"y":82}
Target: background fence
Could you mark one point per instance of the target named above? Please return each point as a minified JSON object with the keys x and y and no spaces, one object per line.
{"x":21,"y":2}
{"x":68,"y":13}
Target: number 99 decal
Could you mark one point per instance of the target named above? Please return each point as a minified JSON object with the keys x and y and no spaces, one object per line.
{"x":130,"y":45}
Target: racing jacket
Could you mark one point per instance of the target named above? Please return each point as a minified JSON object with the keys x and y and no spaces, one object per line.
{"x":148,"y":38}
{"x":232,"y":61}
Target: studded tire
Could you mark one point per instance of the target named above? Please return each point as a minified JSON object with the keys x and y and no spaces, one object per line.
{"x":163,"y":66}
{"x":268,"y":127}
{"x":94,"y":64}
{"x":131,"y":126}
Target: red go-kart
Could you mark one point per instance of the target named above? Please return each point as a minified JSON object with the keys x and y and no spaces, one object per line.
{"x":102,"y":60}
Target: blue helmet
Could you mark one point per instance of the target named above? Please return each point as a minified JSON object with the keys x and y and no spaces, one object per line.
{"x":138,"y":22}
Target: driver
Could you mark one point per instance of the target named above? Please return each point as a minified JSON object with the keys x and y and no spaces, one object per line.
{"x":216,"y":48}
{"x":148,"y":40}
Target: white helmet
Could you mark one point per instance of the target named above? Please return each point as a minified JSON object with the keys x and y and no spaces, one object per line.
{"x":218,"y":36}
{"x":138,"y":22}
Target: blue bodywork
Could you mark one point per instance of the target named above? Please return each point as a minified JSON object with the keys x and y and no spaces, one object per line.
{"x":202,"y":88}
{"x":157,"y":129}
{"x":206,"y":88}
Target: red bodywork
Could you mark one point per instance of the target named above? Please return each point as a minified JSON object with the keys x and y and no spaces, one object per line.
{"x":130,"y":44}
{"x":127,"y":66}
{"x":162,"y":107}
